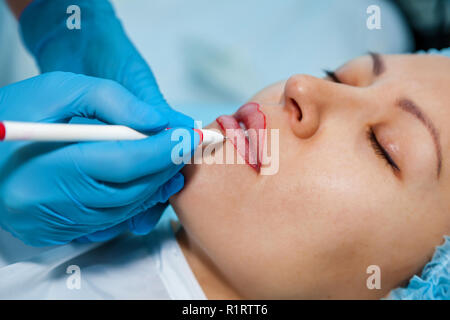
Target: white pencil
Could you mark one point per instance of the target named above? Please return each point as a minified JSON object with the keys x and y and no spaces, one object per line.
{"x":64,"y":132}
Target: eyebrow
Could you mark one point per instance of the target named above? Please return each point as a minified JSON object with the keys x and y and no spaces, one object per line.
{"x":410,"y":107}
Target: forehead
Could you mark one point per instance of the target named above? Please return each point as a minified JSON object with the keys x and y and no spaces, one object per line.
{"x":424,"y":65}
{"x":434,"y":69}
{"x":422,"y":77}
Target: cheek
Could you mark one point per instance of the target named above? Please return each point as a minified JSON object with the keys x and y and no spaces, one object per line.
{"x":334,"y":199}
{"x":270,"y":95}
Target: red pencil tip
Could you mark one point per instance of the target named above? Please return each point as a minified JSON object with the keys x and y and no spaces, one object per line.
{"x":2,"y":131}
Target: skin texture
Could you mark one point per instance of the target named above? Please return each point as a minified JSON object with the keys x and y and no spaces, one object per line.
{"x":335,"y":207}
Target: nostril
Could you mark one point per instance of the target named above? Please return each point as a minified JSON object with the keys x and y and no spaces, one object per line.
{"x":297,"y":109}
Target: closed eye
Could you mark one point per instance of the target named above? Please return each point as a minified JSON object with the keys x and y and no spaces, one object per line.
{"x":377,"y":147}
{"x":380,"y":151}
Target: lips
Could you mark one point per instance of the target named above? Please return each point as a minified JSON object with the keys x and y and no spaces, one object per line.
{"x":253,"y":120}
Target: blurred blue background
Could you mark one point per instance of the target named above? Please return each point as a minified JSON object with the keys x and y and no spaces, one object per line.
{"x":210,"y":56}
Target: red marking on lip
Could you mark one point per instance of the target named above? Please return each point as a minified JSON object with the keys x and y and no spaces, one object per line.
{"x":254,"y":120}
{"x":2,"y":131}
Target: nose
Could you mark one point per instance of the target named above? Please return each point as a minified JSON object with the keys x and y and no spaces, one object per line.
{"x":305,"y":98}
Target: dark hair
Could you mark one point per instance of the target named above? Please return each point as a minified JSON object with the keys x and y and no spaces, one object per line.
{"x":429,"y":22}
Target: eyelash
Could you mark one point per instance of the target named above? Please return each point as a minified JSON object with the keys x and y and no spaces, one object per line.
{"x":379,"y":150}
{"x":332,"y":75}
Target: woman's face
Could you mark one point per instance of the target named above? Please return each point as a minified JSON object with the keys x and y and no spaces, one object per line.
{"x":363,"y":180}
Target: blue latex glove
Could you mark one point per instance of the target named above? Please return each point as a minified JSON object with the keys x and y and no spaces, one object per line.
{"x":53,"y":193}
{"x":101,"y":49}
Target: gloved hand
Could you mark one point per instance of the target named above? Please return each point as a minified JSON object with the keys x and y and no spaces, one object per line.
{"x":52,"y":193}
{"x":101,"y":49}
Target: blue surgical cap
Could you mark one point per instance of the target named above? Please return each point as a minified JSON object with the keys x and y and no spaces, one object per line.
{"x":434,"y":282}
{"x":444,"y":52}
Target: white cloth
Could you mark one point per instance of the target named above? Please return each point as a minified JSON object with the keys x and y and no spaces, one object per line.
{"x":128,"y":267}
